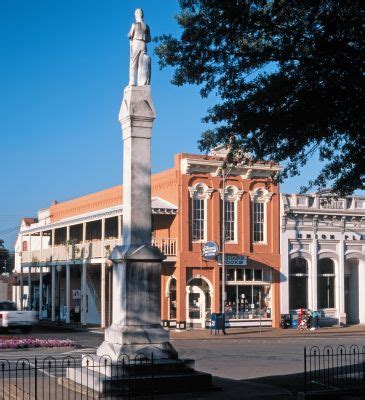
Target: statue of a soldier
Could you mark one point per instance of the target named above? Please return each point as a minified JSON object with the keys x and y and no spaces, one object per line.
{"x":140,"y":62}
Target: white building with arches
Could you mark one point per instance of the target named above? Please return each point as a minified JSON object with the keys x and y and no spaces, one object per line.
{"x":323,"y":256}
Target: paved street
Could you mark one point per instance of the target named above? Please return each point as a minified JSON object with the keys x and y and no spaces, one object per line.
{"x":264,"y":360}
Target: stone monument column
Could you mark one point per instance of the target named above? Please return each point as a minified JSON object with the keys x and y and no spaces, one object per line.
{"x":136,"y":325}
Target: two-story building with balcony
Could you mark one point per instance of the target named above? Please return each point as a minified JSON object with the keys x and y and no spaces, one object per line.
{"x":62,"y":256}
{"x":323,"y":256}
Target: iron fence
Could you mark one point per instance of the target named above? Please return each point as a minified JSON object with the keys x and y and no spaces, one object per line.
{"x":72,"y":378}
{"x":333,"y":369}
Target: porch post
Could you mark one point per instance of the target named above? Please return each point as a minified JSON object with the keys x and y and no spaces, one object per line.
{"x":314,"y":281}
{"x":21,"y":288}
{"x":67,"y":293}
{"x":83,"y":293}
{"x":53,"y":293}
{"x":119,"y":229}
{"x":40,"y":292}
{"x":340,"y":287}
{"x":103,"y":294}
{"x":29,"y":288}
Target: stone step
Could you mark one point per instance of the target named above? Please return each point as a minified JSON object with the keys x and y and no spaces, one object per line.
{"x":179,"y":382}
{"x":138,"y":367}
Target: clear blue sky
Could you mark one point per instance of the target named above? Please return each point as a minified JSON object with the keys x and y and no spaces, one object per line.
{"x":63,"y":67}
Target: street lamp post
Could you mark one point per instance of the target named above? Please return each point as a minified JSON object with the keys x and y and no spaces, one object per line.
{"x":59,"y":269}
{"x":224,"y":175}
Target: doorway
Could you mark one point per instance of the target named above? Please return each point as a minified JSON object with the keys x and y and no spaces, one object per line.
{"x":198,"y":303}
{"x":351,"y":284}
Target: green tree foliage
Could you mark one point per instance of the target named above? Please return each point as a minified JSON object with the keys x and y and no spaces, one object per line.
{"x":289,"y":79}
{"x":6,"y":259}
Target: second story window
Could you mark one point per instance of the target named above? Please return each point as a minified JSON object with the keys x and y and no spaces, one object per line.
{"x":199,"y":194}
{"x":230,"y":221}
{"x":260,"y":198}
{"x":258,"y":221}
{"x":198,"y":219}
{"x":232,"y":196}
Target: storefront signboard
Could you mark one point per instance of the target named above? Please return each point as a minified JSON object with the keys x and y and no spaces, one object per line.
{"x":210,"y":250}
{"x":233,"y":259}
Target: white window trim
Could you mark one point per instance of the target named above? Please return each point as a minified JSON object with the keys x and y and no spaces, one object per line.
{"x":260,"y":195}
{"x":206,"y":195}
{"x":235,"y":198}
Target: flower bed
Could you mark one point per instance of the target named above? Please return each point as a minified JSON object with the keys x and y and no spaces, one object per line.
{"x":17,"y":343}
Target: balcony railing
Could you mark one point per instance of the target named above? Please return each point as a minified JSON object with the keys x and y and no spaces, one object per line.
{"x":91,"y":250}
{"x":167,"y":246}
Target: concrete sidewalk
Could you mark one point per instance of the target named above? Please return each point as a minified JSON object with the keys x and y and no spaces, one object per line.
{"x":266,"y":333}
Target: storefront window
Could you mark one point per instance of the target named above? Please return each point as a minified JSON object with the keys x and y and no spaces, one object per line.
{"x":239,"y":275}
{"x":326,"y":284}
{"x":248,"y":275}
{"x":248,"y":301}
{"x":298,"y":283}
{"x":258,"y":274}
{"x":230,"y":275}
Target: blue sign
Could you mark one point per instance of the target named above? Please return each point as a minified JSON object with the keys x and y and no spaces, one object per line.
{"x":210,"y":250}
{"x":233,"y":259}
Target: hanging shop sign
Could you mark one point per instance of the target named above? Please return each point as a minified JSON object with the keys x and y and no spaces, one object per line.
{"x":210,"y":250}
{"x":233,"y":259}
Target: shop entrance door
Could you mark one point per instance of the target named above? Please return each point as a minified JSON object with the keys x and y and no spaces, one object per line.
{"x":195,"y":307}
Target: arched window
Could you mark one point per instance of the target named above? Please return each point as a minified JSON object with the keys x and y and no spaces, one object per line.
{"x":298,"y":283}
{"x":326,"y":283}
{"x":25,"y":246}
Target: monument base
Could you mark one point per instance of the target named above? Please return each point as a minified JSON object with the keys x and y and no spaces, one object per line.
{"x":151,"y":341}
{"x":98,"y":376}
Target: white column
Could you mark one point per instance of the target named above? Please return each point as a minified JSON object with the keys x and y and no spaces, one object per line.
{"x":340,"y":283}
{"x":41,"y":246}
{"x":102,"y":252}
{"x":52,"y":241}
{"x":29,"y":307}
{"x":67,"y":293}
{"x":53,"y":293}
{"x":83,"y":293}
{"x":103,"y":294}
{"x":21,"y":288}
{"x":284,"y":275}
{"x":29,"y":288}
{"x":119,"y":229}
{"x":40,"y":293}
{"x":68,"y":247}
{"x":314,"y":281}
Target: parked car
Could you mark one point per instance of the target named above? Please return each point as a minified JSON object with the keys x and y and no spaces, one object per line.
{"x":11,"y":317}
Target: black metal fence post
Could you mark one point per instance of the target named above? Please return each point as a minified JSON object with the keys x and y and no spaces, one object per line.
{"x":305,"y":369}
{"x":35,"y":378}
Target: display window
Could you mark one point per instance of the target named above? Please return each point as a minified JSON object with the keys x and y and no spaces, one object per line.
{"x":248,"y":293}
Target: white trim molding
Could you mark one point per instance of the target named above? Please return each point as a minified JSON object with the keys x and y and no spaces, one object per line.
{"x":205,"y":194}
{"x":236,"y":195}
{"x":260,"y":195}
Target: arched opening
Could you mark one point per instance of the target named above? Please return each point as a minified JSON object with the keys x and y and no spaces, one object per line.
{"x":172,"y":299}
{"x":298,"y":283}
{"x":326,"y":283}
{"x":198,"y":303}
{"x":352,"y":292}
